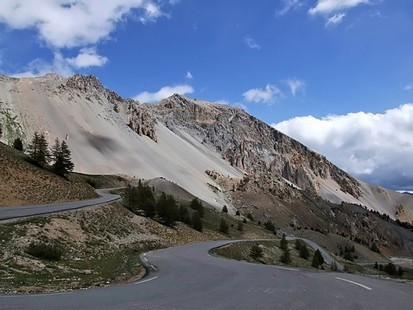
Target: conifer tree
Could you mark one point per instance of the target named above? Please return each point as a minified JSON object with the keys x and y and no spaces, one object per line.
{"x":317,"y":259}
{"x":284,"y":243}
{"x":61,"y":156}
{"x":256,"y":251}
{"x":196,"y":222}
{"x":285,"y":257}
{"x":38,"y":150}
{"x":18,"y":144}
{"x":223,"y":226}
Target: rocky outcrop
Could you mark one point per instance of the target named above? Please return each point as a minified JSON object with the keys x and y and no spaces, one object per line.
{"x":251,"y":145}
{"x":138,"y":118}
{"x":141,"y":120}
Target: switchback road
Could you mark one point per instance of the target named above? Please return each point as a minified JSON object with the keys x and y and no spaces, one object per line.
{"x":188,"y":277}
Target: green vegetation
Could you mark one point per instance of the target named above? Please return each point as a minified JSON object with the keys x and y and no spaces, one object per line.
{"x":318,"y":259}
{"x":263,"y":252}
{"x":269,"y":226}
{"x":39,"y":150}
{"x":61,"y":156}
{"x":223,"y":226}
{"x":301,"y":246}
{"x":284,"y":243}
{"x":256,"y":251}
{"x":45,"y":251}
{"x":197,"y":222}
{"x":18,"y":144}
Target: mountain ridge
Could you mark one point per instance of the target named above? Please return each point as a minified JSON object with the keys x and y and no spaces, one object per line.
{"x":186,"y":137}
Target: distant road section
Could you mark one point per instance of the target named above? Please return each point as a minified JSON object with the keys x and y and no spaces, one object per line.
{"x":13,"y":212}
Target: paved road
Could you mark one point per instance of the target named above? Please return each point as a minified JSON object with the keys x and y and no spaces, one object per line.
{"x":12,"y":212}
{"x":187,"y":277}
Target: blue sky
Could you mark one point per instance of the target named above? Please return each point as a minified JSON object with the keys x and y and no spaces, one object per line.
{"x":281,"y":60}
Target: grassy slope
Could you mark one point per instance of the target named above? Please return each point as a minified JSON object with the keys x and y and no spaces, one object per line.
{"x":22,"y":183}
{"x":101,"y":246}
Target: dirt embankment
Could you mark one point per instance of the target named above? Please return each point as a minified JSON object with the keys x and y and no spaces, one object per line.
{"x":22,"y":183}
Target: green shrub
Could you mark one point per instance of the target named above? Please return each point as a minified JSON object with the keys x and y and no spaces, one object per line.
{"x":223,"y":226}
{"x":45,"y":251}
{"x":256,"y":251}
{"x":196,"y":222}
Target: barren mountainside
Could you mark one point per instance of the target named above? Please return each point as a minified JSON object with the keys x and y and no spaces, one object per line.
{"x":179,"y":139}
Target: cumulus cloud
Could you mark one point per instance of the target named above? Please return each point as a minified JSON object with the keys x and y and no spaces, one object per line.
{"x":252,"y":44}
{"x":266,"y":95}
{"x":68,"y":23}
{"x":87,"y":57}
{"x":328,"y":7}
{"x":164,"y":92}
{"x":377,"y":148}
{"x":295,"y":86}
{"x":287,"y":5}
{"x":335,"y":19}
{"x":39,"y":67}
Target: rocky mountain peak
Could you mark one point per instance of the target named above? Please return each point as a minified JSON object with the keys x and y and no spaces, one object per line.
{"x":85,"y":83}
{"x":175,"y":101}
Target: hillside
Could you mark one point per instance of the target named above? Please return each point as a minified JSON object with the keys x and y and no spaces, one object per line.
{"x":22,"y":183}
{"x":183,"y":140}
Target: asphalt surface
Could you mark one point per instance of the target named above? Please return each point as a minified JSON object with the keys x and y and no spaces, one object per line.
{"x":13,"y":212}
{"x":187,"y":277}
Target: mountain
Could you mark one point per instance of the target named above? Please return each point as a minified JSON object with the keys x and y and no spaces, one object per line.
{"x":206,"y":148}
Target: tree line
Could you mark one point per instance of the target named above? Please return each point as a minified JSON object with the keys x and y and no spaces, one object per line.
{"x":57,"y":158}
{"x":164,"y":209}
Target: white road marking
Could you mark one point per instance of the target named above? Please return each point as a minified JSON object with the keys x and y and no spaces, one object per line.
{"x":355,"y":283}
{"x":144,"y":281}
{"x":267,"y":290}
{"x":153,"y":267}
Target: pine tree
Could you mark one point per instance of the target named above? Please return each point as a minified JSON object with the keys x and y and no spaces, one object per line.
{"x":317,"y":259}
{"x":269,"y":225}
{"x":256,"y":251}
{"x":184,"y":215}
{"x":304,"y":250}
{"x":38,"y":150}
{"x":196,"y":222}
{"x":18,"y":144}
{"x":285,"y":257}
{"x":61,"y":156}
{"x":284,"y":243}
{"x":223,"y":226}
{"x":66,"y":156}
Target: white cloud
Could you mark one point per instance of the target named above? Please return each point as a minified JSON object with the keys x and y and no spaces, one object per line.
{"x":295,"y":86}
{"x":327,"y":7}
{"x":287,"y":5}
{"x":335,"y":19}
{"x":375,"y":147}
{"x":189,"y":75}
{"x":87,"y":57}
{"x":252,"y":44}
{"x":39,"y":67}
{"x":164,"y":92}
{"x":408,"y":87}
{"x":69,"y":23}
{"x":267,"y":95}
